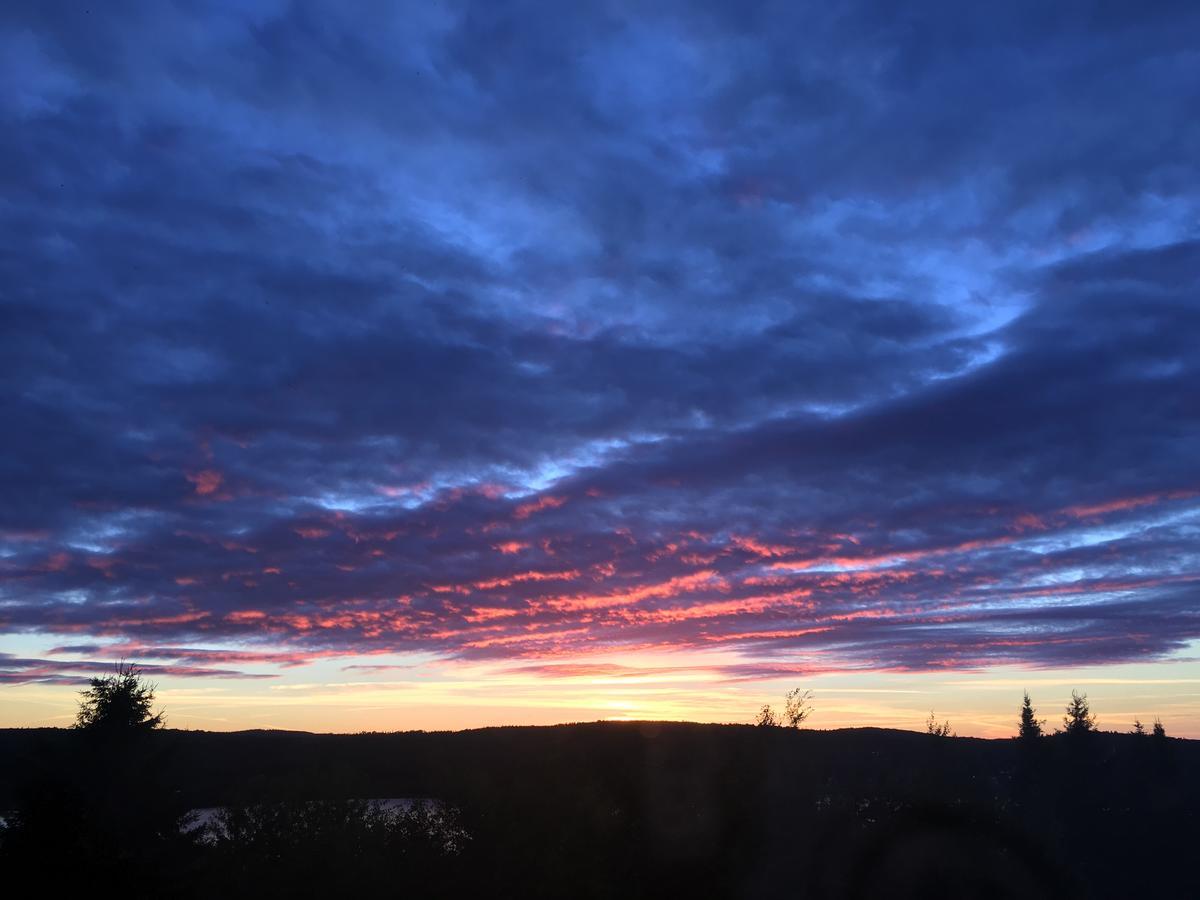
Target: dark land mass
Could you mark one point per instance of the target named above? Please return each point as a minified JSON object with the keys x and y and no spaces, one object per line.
{"x":620,"y":810}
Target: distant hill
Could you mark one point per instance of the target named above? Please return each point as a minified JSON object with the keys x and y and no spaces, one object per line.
{"x":729,"y":810}
{"x":274,"y":764}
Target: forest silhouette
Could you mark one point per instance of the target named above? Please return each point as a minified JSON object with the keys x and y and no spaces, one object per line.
{"x":594,"y":810}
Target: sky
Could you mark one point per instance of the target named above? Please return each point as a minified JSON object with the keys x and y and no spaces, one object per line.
{"x":437,"y":365}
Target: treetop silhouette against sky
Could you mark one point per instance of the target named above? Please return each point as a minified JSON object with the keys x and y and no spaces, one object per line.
{"x":122,"y":701}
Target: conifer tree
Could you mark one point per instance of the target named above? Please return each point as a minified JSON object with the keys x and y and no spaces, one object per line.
{"x":1079,"y":718}
{"x":1030,"y":726}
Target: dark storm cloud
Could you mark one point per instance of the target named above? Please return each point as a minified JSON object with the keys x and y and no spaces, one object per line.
{"x":849,"y":338}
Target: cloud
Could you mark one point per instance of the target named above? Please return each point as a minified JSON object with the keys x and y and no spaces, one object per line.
{"x":490,"y":335}
{"x":16,"y":670}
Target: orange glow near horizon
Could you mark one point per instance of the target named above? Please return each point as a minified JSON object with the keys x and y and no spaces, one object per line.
{"x":340,"y":694}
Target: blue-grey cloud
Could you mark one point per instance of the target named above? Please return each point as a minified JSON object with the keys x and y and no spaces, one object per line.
{"x":850,"y":338}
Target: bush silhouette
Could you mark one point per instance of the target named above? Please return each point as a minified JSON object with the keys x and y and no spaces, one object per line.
{"x":797,"y":707}
{"x":766,"y":717}
{"x":933,"y":727}
{"x":330,"y":848}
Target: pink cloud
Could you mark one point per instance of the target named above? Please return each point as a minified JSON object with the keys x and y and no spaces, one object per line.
{"x":525,"y":510}
{"x":206,"y":481}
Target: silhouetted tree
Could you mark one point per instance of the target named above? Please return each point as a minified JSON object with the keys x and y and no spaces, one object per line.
{"x":1159,"y":730}
{"x":797,"y":707}
{"x":1138,"y":727}
{"x":1079,"y":718}
{"x":766,"y":717}
{"x":122,"y":701}
{"x":932,"y":726}
{"x":1030,"y":726}
{"x":104,"y":802}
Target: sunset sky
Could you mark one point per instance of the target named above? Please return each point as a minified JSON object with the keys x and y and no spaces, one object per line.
{"x":436,"y":365}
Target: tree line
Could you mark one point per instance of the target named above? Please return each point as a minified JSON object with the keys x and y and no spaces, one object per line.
{"x":596,"y":810}
{"x":1078,"y":718}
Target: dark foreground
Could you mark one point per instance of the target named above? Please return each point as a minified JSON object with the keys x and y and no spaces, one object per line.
{"x":605,"y":810}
